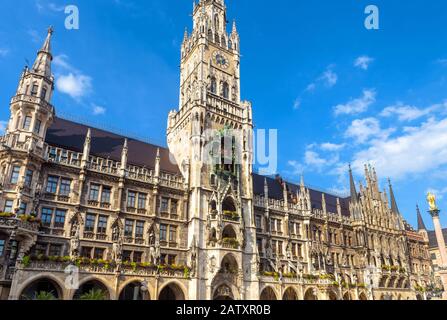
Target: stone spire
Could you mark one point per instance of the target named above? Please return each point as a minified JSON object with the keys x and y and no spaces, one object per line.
{"x":394,"y":207}
{"x":421,"y":224}
{"x":354,"y":194}
{"x":42,"y":64}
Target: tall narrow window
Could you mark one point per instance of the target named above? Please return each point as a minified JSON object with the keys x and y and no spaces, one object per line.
{"x":164,"y":205}
{"x":2,"y":247}
{"x":37,"y":126}
{"x":8,"y":206}
{"x":174,"y":207}
{"x":65,"y":187}
{"x":131,"y":199}
{"x":105,"y":195}
{"x":225,"y":90}
{"x":27,"y":123}
{"x":59,"y":218}
{"x":128,"y":228}
{"x":102,"y":225}
{"x":43,"y":94}
{"x":52,"y":184}
{"x":29,"y":177}
{"x":139,"y":229}
{"x":142,"y":200}
{"x":15,"y":174}
{"x":163,"y":232}
{"x":94,"y":192}
{"x":90,"y":223}
{"x":22,"y":209}
{"x":173,"y":234}
{"x":46,"y":216}
{"x":34,"y":90}
{"x":213,"y":85}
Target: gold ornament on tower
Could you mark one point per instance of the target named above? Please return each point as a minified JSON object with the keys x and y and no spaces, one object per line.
{"x":431,"y":198}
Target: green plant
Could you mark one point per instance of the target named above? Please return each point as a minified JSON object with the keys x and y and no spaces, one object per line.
{"x":6,"y":214}
{"x":44,"y":295}
{"x":231,"y":242}
{"x":186,"y":273}
{"x":94,"y":294}
{"x":335,"y":284}
{"x":26,"y":261}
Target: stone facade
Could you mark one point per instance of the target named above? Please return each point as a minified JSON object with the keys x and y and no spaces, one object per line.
{"x":133,"y":225}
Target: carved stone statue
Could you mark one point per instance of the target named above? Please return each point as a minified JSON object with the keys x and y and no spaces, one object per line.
{"x":118,"y":249}
{"x":193,"y":257}
{"x":431,"y":198}
{"x":74,"y":242}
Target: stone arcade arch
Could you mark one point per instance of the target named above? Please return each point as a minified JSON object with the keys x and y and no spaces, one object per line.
{"x":311,"y":294}
{"x":171,"y":291}
{"x":268,"y":294}
{"x":88,"y":286}
{"x":347,"y":296}
{"x":41,"y":286}
{"x":134,"y":290}
{"x":363,"y":296}
{"x":290,"y":294}
{"x":332,"y":295}
{"x":223,"y":292}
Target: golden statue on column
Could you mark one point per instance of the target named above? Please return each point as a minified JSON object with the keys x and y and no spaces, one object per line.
{"x":431,"y":198}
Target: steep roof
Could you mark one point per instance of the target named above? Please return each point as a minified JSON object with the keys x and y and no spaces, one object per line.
{"x":433,"y":242}
{"x":70,"y":135}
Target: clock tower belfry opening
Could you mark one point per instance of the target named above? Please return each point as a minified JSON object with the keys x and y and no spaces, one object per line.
{"x":220,"y":194}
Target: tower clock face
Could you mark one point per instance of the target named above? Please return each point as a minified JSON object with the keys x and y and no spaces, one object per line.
{"x":221,"y":60}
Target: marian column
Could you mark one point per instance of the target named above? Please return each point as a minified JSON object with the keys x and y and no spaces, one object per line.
{"x":434,"y":212}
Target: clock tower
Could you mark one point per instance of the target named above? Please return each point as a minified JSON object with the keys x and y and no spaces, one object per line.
{"x":210,"y":137}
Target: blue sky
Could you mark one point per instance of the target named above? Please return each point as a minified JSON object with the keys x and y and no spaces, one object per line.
{"x":336,"y":92}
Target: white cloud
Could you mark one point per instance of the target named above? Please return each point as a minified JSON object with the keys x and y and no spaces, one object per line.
{"x":70,"y":80}
{"x":442,"y":62}
{"x":75,"y":85}
{"x":61,"y":61}
{"x":297,"y":104}
{"x":418,"y":151}
{"x":410,"y":113}
{"x":329,"y":77}
{"x":359,"y":105}
{"x":332,"y":146}
{"x":98,"y":110}
{"x":315,"y":161}
{"x":363,"y":129}
{"x":297,"y":168}
{"x":363,"y":62}
{"x":43,"y":5}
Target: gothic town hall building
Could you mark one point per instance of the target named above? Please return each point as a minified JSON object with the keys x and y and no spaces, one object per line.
{"x":86,"y":211}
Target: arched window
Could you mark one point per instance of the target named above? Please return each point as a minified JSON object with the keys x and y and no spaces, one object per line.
{"x":230,"y":44}
{"x":216,"y":21}
{"x":223,"y":42}
{"x":213,"y":87}
{"x":225,"y":90}
{"x":217,"y":38}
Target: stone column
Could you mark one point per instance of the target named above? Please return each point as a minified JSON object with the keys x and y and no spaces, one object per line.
{"x":439,"y":236}
{"x":441,"y":245}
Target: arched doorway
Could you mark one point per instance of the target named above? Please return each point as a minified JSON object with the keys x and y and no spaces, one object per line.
{"x":347,"y":296}
{"x":290,"y":294}
{"x":310,"y":295}
{"x":42,"y":289}
{"x":268,"y":294}
{"x":92,"y":290}
{"x":332,"y":296}
{"x":228,"y":206}
{"x":229,"y":265}
{"x":134,"y":291}
{"x":223,"y":293}
{"x":171,"y":292}
{"x":363,"y":296}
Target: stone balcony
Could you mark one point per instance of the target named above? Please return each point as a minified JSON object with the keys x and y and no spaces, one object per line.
{"x":19,"y":224}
